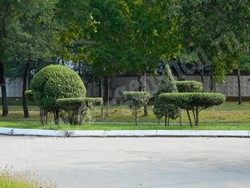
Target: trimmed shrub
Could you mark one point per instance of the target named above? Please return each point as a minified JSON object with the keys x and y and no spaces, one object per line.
{"x":194,"y":102}
{"x":166,"y":85}
{"x":189,"y":86}
{"x":136,"y":99}
{"x":29,"y":95}
{"x":54,"y":82}
{"x":76,"y":111}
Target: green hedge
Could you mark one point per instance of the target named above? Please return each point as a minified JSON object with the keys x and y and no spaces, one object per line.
{"x":188,"y":100}
{"x":54,"y":82}
{"x":29,"y":94}
{"x":189,"y":86}
{"x":194,"y":102}
{"x":76,"y":111}
{"x":136,"y":99}
{"x":140,"y":96}
{"x":70,"y":103}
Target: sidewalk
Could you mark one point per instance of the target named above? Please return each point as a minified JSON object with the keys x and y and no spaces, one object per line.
{"x":123,"y":133}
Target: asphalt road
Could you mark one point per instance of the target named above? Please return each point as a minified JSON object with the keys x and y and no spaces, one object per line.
{"x":132,"y":162}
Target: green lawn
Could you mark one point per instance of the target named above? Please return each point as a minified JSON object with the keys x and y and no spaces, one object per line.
{"x":229,"y":116}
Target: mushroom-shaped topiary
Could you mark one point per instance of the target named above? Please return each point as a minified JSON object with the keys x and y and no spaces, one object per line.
{"x":55,"y":82}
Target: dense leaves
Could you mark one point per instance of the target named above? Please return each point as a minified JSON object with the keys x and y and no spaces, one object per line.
{"x":54,"y":82}
{"x":193,"y":101}
{"x":166,"y":85}
{"x":189,"y":86}
{"x":136,"y":100}
{"x":76,"y":111}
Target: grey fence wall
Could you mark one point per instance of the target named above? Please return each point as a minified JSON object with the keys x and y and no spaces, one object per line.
{"x":14,"y":87}
{"x":119,"y":84}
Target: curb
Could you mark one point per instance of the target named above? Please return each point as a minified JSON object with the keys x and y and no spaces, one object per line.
{"x":123,"y":133}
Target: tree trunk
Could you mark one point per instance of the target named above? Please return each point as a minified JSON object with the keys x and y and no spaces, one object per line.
{"x":239,"y":87}
{"x":105,"y":89}
{"x":203,"y":78}
{"x":43,"y":116}
{"x":181,"y":118}
{"x":107,"y":104}
{"x":4,"y":93}
{"x":101,"y":94}
{"x":196,"y":116}
{"x":24,"y":98}
{"x":168,"y":120}
{"x":136,"y":118}
{"x":144,"y":88}
{"x":140,"y":83}
{"x":113,"y":88}
{"x":189,"y":118}
{"x":165,"y":120}
{"x":56,"y":115}
{"x":212,"y":85}
{"x":106,"y":93}
{"x":92,"y":87}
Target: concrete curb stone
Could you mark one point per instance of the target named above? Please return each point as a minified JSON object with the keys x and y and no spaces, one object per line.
{"x":123,"y":133}
{"x":36,"y":132}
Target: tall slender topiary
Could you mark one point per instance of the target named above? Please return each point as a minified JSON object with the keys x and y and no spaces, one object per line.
{"x":166,"y":85}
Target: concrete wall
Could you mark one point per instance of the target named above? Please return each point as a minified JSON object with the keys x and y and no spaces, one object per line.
{"x":14,"y":87}
{"x":119,"y":84}
{"x":229,"y":88}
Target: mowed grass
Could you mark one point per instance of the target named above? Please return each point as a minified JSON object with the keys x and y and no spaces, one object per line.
{"x":229,"y":116}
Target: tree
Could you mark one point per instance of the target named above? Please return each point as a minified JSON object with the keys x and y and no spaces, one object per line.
{"x":31,"y":37}
{"x":166,"y":85}
{"x":4,"y":11}
{"x":152,"y":34}
{"x":76,"y":23}
{"x":110,"y":45}
{"x":218,"y":30}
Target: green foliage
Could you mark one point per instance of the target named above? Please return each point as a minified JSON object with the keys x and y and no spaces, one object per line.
{"x":136,"y":99}
{"x":71,"y":103}
{"x":218,"y":28}
{"x":31,"y":33}
{"x":244,"y":63}
{"x":166,"y":85}
{"x":190,"y":100}
{"x":54,"y":82}
{"x":76,"y":111}
{"x":29,"y":95}
{"x":189,"y":86}
{"x":193,"y":101}
{"x":148,"y":37}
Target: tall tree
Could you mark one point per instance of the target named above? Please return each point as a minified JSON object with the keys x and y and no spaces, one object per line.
{"x":153,"y":34}
{"x":32,"y":35}
{"x":219,"y":31}
{"x":110,"y":43}
{"x":76,"y":21}
{"x":4,"y":11}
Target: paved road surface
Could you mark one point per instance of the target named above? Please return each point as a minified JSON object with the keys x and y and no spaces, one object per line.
{"x":132,"y":162}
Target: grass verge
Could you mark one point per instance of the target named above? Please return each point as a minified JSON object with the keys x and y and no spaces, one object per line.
{"x":26,"y":179}
{"x":128,"y":126}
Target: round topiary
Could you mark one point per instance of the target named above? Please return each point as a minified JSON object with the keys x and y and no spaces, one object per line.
{"x":54,"y":82}
{"x":189,"y":86}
